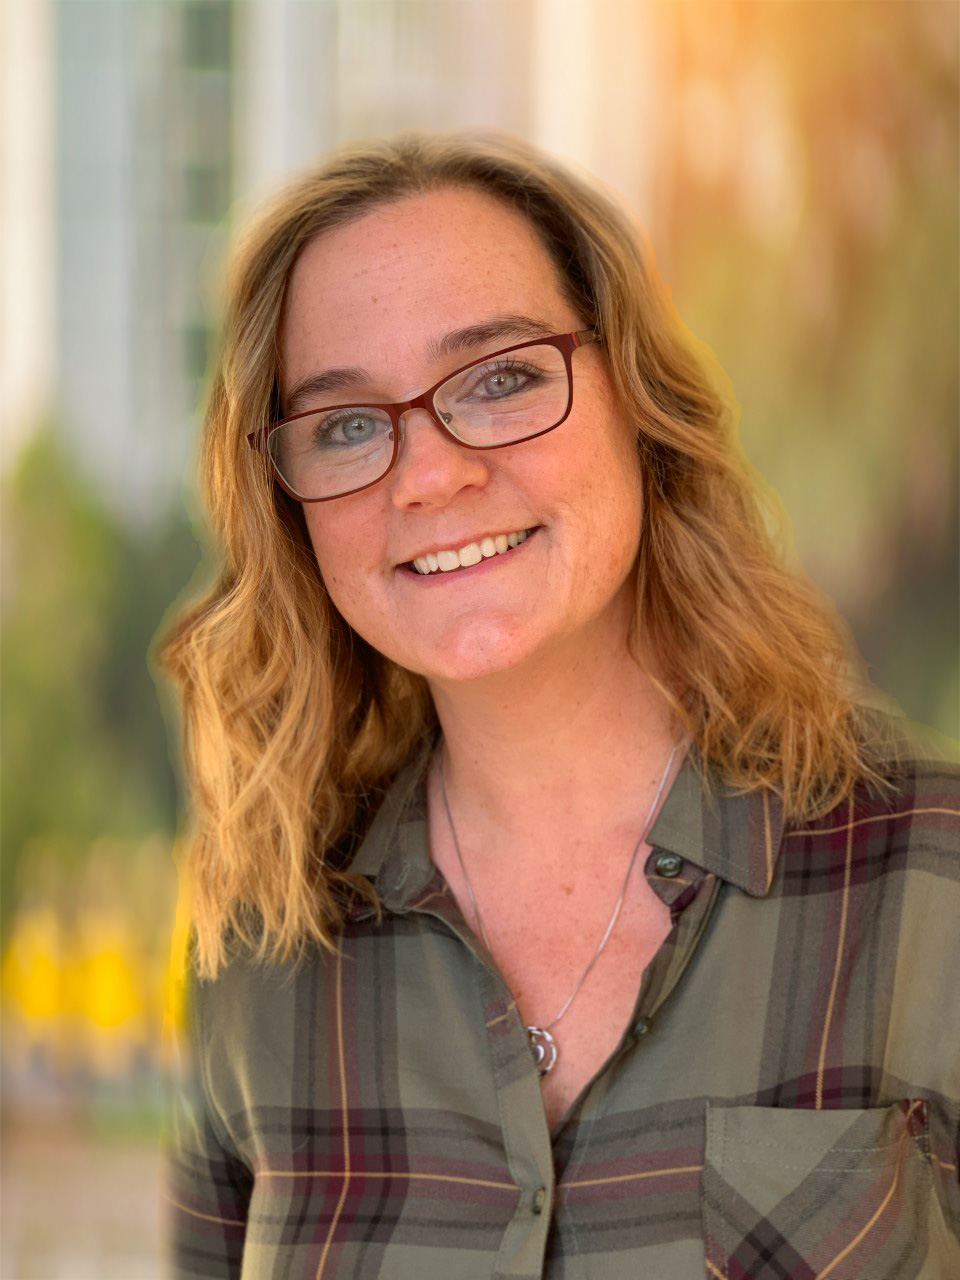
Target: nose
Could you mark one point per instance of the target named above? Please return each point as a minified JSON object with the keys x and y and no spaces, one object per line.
{"x":431,"y":467}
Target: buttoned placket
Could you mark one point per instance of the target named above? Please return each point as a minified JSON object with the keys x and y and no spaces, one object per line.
{"x":528,"y":1146}
{"x":705,"y":841}
{"x":414,"y":885}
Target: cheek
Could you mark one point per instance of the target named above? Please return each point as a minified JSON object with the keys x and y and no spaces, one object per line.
{"x":345,"y":537}
{"x":616,"y":491}
{"x":325,"y":558}
{"x":611,"y":463}
{"x":331,"y":549}
{"x":625,"y":462}
{"x":347,"y":558}
{"x":349,"y":599}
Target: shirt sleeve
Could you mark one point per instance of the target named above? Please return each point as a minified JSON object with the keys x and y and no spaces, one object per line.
{"x":205,"y":1184}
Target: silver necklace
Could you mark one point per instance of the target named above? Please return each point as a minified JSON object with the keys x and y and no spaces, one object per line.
{"x":542,"y":1043}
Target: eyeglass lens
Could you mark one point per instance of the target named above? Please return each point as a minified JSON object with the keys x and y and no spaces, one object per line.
{"x":493,"y":402}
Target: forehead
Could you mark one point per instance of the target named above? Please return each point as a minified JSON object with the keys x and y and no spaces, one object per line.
{"x":407,"y":272}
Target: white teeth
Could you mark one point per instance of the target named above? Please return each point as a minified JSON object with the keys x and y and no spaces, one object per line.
{"x":473,"y":553}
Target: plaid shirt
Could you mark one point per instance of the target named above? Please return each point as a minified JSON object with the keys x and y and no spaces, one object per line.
{"x":785,"y":1102}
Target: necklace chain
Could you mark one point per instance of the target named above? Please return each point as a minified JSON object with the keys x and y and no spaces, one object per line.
{"x":542,"y":1043}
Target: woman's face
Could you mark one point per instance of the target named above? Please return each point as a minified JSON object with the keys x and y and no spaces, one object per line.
{"x":378,"y":294}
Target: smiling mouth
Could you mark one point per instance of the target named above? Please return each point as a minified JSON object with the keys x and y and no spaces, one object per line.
{"x":447,"y":562}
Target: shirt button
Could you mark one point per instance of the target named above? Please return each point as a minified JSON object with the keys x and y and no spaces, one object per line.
{"x":539,"y":1199}
{"x":642,"y":1027}
{"x":669,"y":865}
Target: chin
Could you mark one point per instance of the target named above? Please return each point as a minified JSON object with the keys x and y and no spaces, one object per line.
{"x":472,"y":654}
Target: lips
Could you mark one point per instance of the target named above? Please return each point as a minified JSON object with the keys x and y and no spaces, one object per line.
{"x":438,"y":549}
{"x":485,"y":565}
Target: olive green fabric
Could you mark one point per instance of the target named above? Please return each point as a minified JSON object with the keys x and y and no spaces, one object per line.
{"x":785,"y":1101}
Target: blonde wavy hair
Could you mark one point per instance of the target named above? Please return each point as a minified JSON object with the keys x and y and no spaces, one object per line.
{"x":293,"y":726}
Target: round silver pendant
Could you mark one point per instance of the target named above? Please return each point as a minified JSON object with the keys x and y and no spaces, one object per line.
{"x":544,"y":1049}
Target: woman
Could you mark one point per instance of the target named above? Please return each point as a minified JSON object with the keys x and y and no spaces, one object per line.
{"x":557,"y":909}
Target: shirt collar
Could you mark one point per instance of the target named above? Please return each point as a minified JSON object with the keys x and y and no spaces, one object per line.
{"x":735,"y":835}
{"x":395,"y":850}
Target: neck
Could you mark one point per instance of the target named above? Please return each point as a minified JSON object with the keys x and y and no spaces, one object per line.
{"x":555,"y":756}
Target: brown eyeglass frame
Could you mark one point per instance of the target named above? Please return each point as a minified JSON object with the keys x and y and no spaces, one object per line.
{"x":566,"y":344}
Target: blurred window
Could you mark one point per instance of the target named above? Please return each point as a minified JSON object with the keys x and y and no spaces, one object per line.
{"x":196,"y":339}
{"x":207,"y":191}
{"x":206,"y":34}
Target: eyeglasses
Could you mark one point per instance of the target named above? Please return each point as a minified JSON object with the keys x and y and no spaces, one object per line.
{"x":518,"y":393}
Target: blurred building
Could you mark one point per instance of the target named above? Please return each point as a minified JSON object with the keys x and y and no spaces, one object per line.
{"x":143,"y":164}
{"x":168,"y":119}
{"x":27,"y":231}
{"x":581,"y":82}
{"x":795,"y":165}
{"x":797,"y":168}
{"x":117,"y":169}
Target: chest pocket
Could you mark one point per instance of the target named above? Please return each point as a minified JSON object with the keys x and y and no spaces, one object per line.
{"x":815,"y":1194}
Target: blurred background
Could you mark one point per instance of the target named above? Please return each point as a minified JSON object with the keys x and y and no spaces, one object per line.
{"x":796,"y":165}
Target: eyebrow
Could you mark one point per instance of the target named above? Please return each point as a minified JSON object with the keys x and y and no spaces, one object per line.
{"x":472,"y":336}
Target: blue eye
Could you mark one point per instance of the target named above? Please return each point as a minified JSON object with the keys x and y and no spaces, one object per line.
{"x":502,"y":380}
{"x":356,"y":426}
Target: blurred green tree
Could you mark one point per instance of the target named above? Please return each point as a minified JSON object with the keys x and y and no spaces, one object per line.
{"x":85,"y":747}
{"x":817,"y":252}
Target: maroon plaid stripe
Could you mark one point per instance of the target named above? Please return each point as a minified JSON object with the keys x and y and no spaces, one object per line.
{"x":790,"y":1109}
